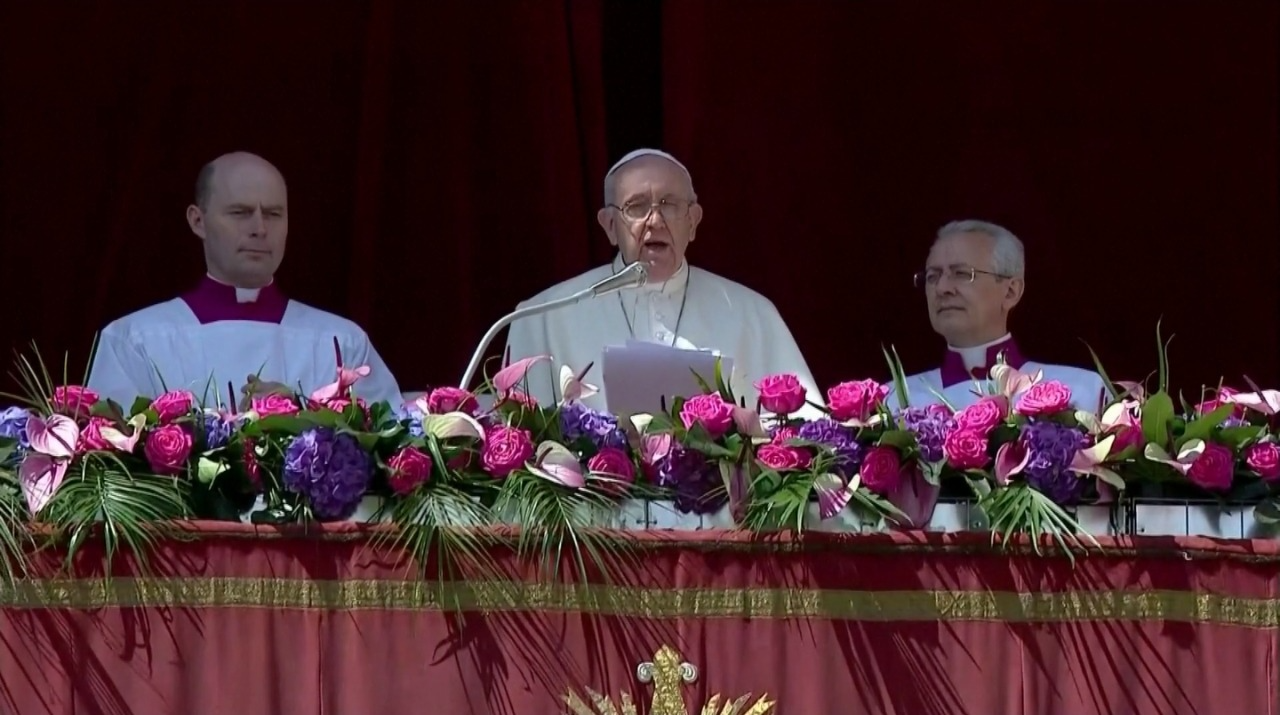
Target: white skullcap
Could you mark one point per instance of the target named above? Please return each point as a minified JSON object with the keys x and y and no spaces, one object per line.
{"x":632,"y":156}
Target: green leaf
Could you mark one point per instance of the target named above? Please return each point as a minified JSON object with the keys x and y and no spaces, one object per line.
{"x":1203,"y":427}
{"x":932,"y":472}
{"x":140,"y":405}
{"x":1112,"y":389}
{"x":897,"y":374}
{"x":1237,"y":437}
{"x":901,"y":439}
{"x":7,"y":447}
{"x":721,"y":386}
{"x":1157,"y":414}
{"x":702,"y":383}
{"x":1268,"y":512}
{"x":208,"y":470}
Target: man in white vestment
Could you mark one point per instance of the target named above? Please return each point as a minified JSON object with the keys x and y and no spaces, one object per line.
{"x":235,"y":327}
{"x":973,"y":278}
{"x":651,"y":214}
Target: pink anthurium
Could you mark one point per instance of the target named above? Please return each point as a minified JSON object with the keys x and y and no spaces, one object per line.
{"x":1010,"y":382}
{"x":118,"y":440}
{"x":1091,"y":460}
{"x":1266,"y":402}
{"x":452,"y":424}
{"x":557,"y":463}
{"x":1187,"y":456}
{"x":749,"y":424}
{"x":834,"y":493}
{"x":53,"y":444}
{"x":572,"y":388}
{"x":1135,"y":390}
{"x":1011,"y":459}
{"x":511,"y":375}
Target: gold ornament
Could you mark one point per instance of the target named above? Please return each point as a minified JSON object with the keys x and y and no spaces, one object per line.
{"x":668,"y":673}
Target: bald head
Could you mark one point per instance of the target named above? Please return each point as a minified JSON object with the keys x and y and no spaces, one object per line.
{"x":241,"y":214}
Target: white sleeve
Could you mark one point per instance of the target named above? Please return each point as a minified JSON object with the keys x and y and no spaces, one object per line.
{"x":380,"y":385}
{"x":783,"y":355}
{"x":527,"y":337}
{"x":120,"y":371}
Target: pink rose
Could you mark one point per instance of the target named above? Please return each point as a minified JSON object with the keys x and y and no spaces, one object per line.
{"x":1044,"y":398}
{"x":616,"y":467}
{"x":451,"y":399}
{"x":782,"y":434}
{"x":409,"y":468}
{"x":506,"y":449}
{"x":856,"y":400}
{"x":966,"y":449}
{"x":73,"y":400}
{"x":983,"y":415}
{"x":711,"y":411}
{"x":781,"y":457}
{"x":1264,"y":458}
{"x":273,"y":404}
{"x":881,"y":470}
{"x":1213,"y":469}
{"x":91,"y":439}
{"x":172,"y":405}
{"x":781,"y":394}
{"x":167,"y":449}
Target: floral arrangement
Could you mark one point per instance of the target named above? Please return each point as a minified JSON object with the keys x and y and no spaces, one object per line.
{"x":440,"y":465}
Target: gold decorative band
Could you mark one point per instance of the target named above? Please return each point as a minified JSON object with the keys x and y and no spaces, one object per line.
{"x":882,"y":606}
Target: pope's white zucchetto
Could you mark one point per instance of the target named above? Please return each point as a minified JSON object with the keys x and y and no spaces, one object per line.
{"x":633,"y":155}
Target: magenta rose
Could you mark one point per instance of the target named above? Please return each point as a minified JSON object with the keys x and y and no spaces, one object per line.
{"x":1213,"y":469}
{"x":856,"y":400}
{"x":1044,"y":398}
{"x":881,"y":470}
{"x":983,"y":415}
{"x":451,"y":399}
{"x":966,"y":449}
{"x":273,"y":404}
{"x":506,"y":449}
{"x":1264,"y":458}
{"x":781,"y":457}
{"x":172,"y":405}
{"x":711,"y":411}
{"x":73,"y":400}
{"x":781,"y":394}
{"x":1218,"y":400}
{"x":167,"y":449}
{"x":91,"y":438}
{"x":409,"y":468}
{"x":616,"y":467}
{"x":782,"y":434}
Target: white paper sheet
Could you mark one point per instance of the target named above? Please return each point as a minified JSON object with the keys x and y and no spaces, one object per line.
{"x":638,"y":375}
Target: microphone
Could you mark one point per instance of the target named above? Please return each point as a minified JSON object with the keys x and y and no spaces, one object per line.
{"x":633,"y":276}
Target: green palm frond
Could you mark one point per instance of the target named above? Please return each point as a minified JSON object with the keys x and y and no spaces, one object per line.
{"x":100,"y":493}
{"x":15,"y":539}
{"x":1020,"y":509}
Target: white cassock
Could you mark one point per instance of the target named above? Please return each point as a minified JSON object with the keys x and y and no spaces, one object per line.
{"x":695,"y":309}
{"x":217,"y":334}
{"x":958,"y":384}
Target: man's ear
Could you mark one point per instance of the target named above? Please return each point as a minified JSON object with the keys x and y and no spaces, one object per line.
{"x":695,"y":218}
{"x":1013,"y":293}
{"x":605,"y":218}
{"x":195,"y":219}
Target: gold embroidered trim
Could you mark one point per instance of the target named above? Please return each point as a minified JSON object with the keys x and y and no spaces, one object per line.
{"x":1179,"y":606}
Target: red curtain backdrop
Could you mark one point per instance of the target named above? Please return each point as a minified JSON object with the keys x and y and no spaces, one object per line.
{"x":1132,"y":146}
{"x":445,"y":161}
{"x":257,"y":621}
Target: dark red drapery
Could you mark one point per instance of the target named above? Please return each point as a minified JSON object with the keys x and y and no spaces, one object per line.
{"x":255,"y":620}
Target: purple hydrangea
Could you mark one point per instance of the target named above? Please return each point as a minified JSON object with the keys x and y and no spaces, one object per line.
{"x":578,"y":421}
{"x":330,"y":469}
{"x":695,"y":479}
{"x":217,"y":430}
{"x":13,"y":424}
{"x":1051,"y":449}
{"x":930,"y":427}
{"x":839,"y":439}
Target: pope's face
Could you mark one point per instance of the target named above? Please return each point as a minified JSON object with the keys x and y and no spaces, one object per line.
{"x":244,"y":225}
{"x":653,"y":216}
{"x":968,"y":303}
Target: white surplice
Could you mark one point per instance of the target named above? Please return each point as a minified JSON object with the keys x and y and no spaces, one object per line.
{"x":695,"y":310}
{"x":165,"y":347}
{"x":1087,"y":388}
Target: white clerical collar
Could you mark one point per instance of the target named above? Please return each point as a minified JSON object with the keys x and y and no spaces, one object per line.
{"x":976,"y":356}
{"x":671,"y":286}
{"x":243,"y":295}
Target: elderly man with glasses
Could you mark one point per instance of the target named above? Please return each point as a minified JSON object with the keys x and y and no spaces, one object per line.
{"x":651,"y":214}
{"x":972,"y":279}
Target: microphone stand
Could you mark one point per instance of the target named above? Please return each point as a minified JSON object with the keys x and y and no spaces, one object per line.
{"x":509,"y":318}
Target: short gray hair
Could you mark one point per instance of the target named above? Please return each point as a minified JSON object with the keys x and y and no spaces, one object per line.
{"x":1009,"y":257}
{"x":610,"y":178}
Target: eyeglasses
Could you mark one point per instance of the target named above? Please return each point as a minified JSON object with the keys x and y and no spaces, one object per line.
{"x":957,"y":275}
{"x":671,"y":209}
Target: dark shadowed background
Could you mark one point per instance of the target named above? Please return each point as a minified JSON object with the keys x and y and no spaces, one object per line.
{"x":444,"y":161}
